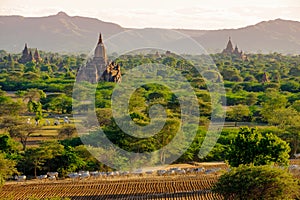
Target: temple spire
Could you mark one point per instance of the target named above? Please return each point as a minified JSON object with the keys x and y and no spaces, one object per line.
{"x":100,"y":39}
{"x":25,"y":51}
{"x":30,"y":56}
{"x":36,"y":55}
{"x":100,"y":49}
{"x":229,"y":48}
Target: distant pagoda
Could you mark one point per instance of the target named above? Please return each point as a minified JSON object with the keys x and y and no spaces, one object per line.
{"x":26,"y":55}
{"x":36,"y":56}
{"x":229,"y":50}
{"x":98,"y":68}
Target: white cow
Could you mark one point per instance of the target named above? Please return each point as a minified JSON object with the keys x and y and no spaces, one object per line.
{"x":161,"y":172}
{"x":20,"y":178}
{"x":74,"y":176}
{"x":95,"y":174}
{"x":84,"y":174}
{"x":54,"y":175}
{"x":42,"y":177}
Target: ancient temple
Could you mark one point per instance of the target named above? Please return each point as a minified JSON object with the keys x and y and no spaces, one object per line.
{"x":36,"y":56}
{"x":98,"y":68}
{"x":229,"y":50}
{"x":112,"y":73}
{"x":26,"y":56}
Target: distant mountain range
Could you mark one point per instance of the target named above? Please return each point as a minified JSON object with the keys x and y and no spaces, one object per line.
{"x":62,"y":33}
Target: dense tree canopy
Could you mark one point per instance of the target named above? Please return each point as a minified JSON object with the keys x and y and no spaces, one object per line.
{"x":249,"y":99}
{"x":252,"y":147}
{"x":257,"y":182}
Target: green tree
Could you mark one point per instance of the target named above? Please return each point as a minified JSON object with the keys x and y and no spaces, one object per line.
{"x":69,"y":161}
{"x":296,"y":105}
{"x":30,"y":67}
{"x":231,"y":74}
{"x":238,"y":113}
{"x":284,"y":117}
{"x":67,"y":131}
{"x":252,"y":147}
{"x":8,"y":106}
{"x":272,"y":101}
{"x":33,"y":97}
{"x":292,"y":135}
{"x":61,"y":103}
{"x":169,"y":61}
{"x":91,"y":163}
{"x":18,"y":128}
{"x":257,"y":182}
{"x":9,"y":147}
{"x":7,"y":168}
{"x":251,"y":99}
{"x":288,"y":119}
{"x":35,"y":158}
{"x":165,"y":136}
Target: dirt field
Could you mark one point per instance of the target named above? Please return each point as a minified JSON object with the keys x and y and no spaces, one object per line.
{"x":191,"y":186}
{"x":171,"y":187}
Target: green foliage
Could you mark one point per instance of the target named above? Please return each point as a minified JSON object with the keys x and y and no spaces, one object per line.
{"x":290,"y":86}
{"x":249,"y":97}
{"x":33,"y":97}
{"x":252,"y":147}
{"x":257,"y":182}
{"x":18,"y":127}
{"x":69,"y":161}
{"x":272,"y":101}
{"x":296,"y":105}
{"x":10,"y":107}
{"x":67,"y":131}
{"x":60,"y":103}
{"x":7,"y":168}
{"x":9,"y":147}
{"x":284,"y":117}
{"x":35,"y":158}
{"x":72,"y":142}
{"x":239,"y":113}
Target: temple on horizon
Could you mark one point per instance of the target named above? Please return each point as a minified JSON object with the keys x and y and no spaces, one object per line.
{"x":28,"y":57}
{"x":229,"y":50}
{"x":98,"y":68}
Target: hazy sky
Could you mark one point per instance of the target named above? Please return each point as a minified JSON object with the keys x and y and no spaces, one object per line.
{"x":192,"y":14}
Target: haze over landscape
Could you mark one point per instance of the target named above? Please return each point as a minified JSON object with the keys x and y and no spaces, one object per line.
{"x":67,"y":26}
{"x":63,"y":33}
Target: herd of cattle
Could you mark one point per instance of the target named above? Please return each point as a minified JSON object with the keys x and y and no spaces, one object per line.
{"x":81,"y":175}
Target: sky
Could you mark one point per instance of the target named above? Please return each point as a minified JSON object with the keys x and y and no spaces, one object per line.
{"x":188,"y":14}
